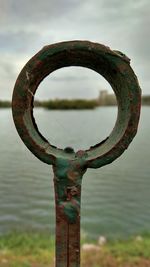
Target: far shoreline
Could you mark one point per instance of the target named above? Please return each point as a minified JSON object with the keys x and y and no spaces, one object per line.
{"x":77,"y":104}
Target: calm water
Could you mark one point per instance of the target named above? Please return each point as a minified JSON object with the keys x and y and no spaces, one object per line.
{"x":115,"y":198}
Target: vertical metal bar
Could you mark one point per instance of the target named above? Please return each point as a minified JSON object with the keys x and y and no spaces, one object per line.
{"x":61,"y":248}
{"x":67,"y":242}
{"x":74,"y":244}
{"x":67,"y":184}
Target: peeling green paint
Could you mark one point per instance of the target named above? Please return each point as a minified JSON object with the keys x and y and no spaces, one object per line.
{"x":68,"y":179}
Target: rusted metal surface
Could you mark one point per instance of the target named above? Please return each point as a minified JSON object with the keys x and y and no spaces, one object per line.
{"x":68,"y":165}
{"x":67,"y":180}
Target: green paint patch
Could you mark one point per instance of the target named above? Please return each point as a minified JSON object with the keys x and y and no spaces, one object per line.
{"x":71,"y":211}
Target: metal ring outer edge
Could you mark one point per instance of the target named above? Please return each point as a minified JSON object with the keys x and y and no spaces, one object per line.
{"x":113,"y":66}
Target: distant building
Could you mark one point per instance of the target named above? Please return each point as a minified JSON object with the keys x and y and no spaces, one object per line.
{"x":102,"y":96}
{"x":106,"y":99}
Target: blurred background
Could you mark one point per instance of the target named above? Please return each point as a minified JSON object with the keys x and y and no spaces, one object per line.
{"x":115,"y":198}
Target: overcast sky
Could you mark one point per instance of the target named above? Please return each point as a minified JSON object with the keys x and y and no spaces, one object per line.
{"x":26,"y":26}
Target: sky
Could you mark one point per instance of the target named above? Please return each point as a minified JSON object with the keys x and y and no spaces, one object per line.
{"x":27,"y":26}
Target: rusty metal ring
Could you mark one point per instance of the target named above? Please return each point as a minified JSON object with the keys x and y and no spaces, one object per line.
{"x":112,"y":65}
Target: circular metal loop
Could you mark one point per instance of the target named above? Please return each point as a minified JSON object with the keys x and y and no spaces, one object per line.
{"x":112,"y":65}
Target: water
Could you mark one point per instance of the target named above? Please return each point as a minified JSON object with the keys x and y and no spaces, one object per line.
{"x":115,"y":198}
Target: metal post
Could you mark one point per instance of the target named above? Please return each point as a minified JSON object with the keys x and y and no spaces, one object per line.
{"x":67,"y":183}
{"x":69,"y":166}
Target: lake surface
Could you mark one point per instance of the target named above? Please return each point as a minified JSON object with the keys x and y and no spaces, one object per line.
{"x":115,"y":198}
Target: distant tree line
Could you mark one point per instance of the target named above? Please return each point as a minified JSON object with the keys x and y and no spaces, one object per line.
{"x":5,"y":104}
{"x":109,"y":100}
{"x":146,"y":100}
{"x":68,"y":104}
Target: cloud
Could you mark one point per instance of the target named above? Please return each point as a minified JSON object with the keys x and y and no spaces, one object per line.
{"x":17,"y":42}
{"x":26,"y":26}
{"x":35,"y":13}
{"x":10,"y":66}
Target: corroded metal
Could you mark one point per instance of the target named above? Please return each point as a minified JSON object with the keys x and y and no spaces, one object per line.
{"x":67,"y":180}
{"x":68,"y":165}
